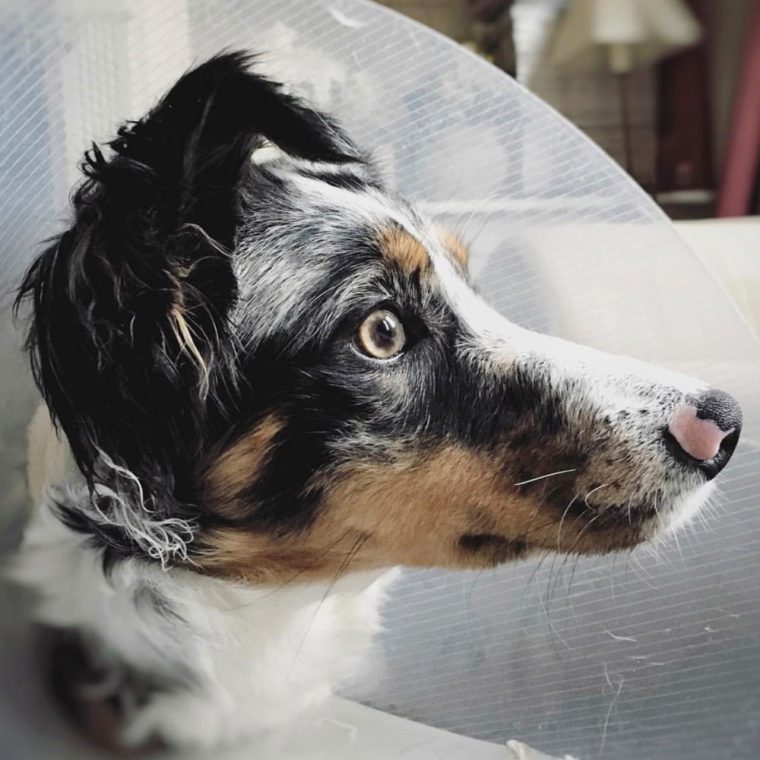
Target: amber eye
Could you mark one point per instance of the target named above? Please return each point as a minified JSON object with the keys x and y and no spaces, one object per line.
{"x":381,"y":335}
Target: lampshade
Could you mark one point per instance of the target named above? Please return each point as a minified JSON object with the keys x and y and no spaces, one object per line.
{"x":622,"y":34}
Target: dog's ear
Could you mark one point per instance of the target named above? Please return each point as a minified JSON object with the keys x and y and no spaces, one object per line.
{"x":130,"y":340}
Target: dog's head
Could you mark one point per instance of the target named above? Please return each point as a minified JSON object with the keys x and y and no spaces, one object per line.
{"x":267,"y":363}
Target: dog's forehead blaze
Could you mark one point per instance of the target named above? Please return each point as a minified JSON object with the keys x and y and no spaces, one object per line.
{"x":453,"y":507}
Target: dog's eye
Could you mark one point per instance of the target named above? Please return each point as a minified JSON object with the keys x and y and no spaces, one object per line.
{"x":381,"y":335}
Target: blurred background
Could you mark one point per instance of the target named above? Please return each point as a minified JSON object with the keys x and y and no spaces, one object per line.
{"x":669,"y":88}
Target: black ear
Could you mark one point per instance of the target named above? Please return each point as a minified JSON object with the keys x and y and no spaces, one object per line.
{"x":130,"y":341}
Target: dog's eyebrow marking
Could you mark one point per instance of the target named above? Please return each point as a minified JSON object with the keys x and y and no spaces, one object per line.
{"x":398,"y":246}
{"x":491,"y":335}
{"x":454,"y":246}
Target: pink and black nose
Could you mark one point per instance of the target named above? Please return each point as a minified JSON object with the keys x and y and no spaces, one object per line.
{"x":703,"y":433}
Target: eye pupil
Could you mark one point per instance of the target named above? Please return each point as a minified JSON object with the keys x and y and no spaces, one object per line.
{"x":385,"y":331}
{"x":381,"y":335}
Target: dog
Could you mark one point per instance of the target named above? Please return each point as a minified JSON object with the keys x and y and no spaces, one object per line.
{"x":268,"y":381}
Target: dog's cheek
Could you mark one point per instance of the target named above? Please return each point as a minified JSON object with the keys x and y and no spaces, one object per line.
{"x":425,"y":509}
{"x":447,"y":511}
{"x":435,"y":507}
{"x":232,"y":471}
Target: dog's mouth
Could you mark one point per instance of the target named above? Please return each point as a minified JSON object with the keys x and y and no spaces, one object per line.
{"x":584,"y":529}
{"x":492,"y":547}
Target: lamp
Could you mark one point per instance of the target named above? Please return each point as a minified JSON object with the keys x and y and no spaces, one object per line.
{"x":621,"y":35}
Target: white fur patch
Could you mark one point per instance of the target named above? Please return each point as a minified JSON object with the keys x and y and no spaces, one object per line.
{"x":368,"y":206}
{"x":250,"y":658}
{"x":164,"y":539}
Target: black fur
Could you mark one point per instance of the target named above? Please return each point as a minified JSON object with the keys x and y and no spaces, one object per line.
{"x":153,"y":230}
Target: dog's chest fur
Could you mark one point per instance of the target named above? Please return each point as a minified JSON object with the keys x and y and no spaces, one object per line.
{"x":228,"y":660}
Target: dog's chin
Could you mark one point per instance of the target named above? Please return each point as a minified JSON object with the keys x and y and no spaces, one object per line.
{"x":654,"y":524}
{"x":681,"y":514}
{"x":620,"y":531}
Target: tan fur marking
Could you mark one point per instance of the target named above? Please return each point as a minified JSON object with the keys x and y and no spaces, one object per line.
{"x":184,"y":337}
{"x":239,"y":465}
{"x":455,"y":246}
{"x":412,"y":512}
{"x":403,"y":249}
{"x":258,"y":558}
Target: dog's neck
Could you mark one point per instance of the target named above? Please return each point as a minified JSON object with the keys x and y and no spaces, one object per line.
{"x":223,"y":659}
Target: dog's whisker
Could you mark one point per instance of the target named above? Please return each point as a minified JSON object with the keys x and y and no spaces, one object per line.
{"x":543,"y":477}
{"x":572,"y":574}
{"x":562,"y":520}
{"x":546,"y":553}
{"x":593,"y":490}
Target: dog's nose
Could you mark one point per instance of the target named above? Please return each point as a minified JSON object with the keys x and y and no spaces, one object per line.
{"x":706,"y":431}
